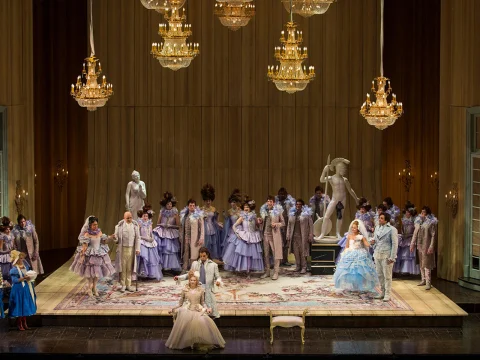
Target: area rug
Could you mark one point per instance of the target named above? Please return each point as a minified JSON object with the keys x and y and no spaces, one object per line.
{"x":291,"y":291}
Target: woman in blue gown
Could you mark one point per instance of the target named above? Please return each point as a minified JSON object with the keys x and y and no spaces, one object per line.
{"x":356,"y":271}
{"x":23,"y":300}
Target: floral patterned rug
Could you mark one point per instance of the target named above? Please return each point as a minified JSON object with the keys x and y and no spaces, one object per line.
{"x":291,"y":291}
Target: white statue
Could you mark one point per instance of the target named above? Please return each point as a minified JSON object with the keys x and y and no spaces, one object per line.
{"x":339,"y":195}
{"x":135,"y":194}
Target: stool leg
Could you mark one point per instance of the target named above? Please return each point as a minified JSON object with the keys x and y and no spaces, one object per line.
{"x":303,"y":334}
{"x":271,"y":334}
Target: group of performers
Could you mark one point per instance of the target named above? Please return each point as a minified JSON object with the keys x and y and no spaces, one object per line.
{"x":194,"y":239}
{"x":410,"y":251}
{"x":20,"y":264}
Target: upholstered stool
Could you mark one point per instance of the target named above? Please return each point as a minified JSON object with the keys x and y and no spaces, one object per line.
{"x":287,"y":322}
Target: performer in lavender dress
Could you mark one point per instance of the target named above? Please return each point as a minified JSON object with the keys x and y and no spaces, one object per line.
{"x":213,"y":230}
{"x":167,"y":233}
{"x":149,"y":264}
{"x":367,"y":216}
{"x":91,"y":258}
{"x":393,"y":210}
{"x":6,"y":246}
{"x":247,"y":255}
{"x":406,"y":261}
{"x":230,"y":218}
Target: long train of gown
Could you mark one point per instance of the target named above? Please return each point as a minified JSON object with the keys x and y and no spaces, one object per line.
{"x":356,"y":271}
{"x":193,"y":327}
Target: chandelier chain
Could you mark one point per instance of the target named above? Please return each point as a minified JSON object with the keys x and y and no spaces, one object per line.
{"x":92,"y":43}
{"x":381,"y":36}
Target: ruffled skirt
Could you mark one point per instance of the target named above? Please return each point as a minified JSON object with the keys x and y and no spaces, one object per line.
{"x":242,"y":256}
{"x":92,"y":265}
{"x":194,"y":329}
{"x":406,"y":261}
{"x":169,"y":251}
{"x":356,"y":271}
{"x":213,"y":244}
{"x":149,"y":263}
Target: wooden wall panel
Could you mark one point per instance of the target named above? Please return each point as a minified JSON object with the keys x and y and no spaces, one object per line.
{"x":16,"y":94}
{"x":459,"y":89}
{"x":416,"y":81}
{"x":220,"y":120}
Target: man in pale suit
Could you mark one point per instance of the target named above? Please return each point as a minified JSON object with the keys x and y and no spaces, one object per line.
{"x":209,"y":278}
{"x":127,"y":236}
{"x":385,"y":245}
{"x":192,"y":232}
{"x":300,"y":234}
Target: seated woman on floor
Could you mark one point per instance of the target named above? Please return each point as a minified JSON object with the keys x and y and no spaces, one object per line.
{"x":193,"y":328}
{"x":356,"y":270}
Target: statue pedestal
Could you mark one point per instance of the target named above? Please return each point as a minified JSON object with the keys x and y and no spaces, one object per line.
{"x":327,"y":240}
{"x":323,"y":257}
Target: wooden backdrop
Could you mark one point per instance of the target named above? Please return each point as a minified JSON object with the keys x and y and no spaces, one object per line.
{"x":412,"y":62}
{"x":459,"y":90}
{"x":16,"y":93}
{"x":220,"y":121}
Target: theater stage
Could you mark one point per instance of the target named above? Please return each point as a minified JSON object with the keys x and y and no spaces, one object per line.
{"x":62,"y":301}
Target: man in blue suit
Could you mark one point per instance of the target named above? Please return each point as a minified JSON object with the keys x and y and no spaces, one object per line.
{"x":385,"y":245}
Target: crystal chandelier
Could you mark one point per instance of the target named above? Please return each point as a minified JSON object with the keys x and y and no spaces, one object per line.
{"x":161,"y":6}
{"x":308,"y":8}
{"x":175,"y":53}
{"x":290,"y":76}
{"x":89,"y":93}
{"x":381,"y":113}
{"x":234,"y":14}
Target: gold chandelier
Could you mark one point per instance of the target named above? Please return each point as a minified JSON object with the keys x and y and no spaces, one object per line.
{"x":307,"y":8}
{"x":381,"y":113}
{"x":175,"y":53}
{"x":89,"y":93}
{"x":160,"y":6}
{"x":234,"y":14}
{"x":290,"y":76}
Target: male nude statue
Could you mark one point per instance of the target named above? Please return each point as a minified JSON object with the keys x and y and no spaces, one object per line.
{"x":338,"y":182}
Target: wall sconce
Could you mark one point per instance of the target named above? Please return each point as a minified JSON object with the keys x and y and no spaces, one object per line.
{"x":451,"y":200}
{"x":21,"y":197}
{"x":61,"y":175}
{"x":406,"y":177}
{"x":434,"y":181}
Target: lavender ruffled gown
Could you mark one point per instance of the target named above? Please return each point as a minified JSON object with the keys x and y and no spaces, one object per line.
{"x":406,"y":261}
{"x":246,"y":252}
{"x":167,"y":237}
{"x":149,"y":261}
{"x":95,"y":263}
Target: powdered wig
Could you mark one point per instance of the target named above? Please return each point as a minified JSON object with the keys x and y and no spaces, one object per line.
{"x":6,"y":224}
{"x":235,"y":196}
{"x":168,"y":197}
{"x":410,"y":208}
{"x":249,"y":202}
{"x":147,"y":209}
{"x":208,"y":192}
{"x":389,"y":201}
{"x":363,"y":203}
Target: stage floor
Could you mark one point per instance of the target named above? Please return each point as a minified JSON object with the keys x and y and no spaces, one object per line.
{"x":62,"y":295}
